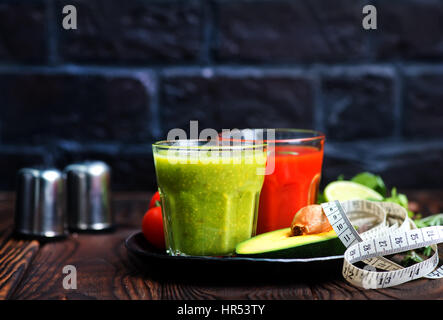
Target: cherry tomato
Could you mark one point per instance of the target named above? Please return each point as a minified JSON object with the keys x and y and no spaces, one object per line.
{"x":152,"y":224}
{"x":152,"y":227}
{"x":154,"y":199}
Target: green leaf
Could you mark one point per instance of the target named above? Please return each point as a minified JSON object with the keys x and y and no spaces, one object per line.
{"x":434,"y":220}
{"x":403,"y":200}
{"x":321,"y":198}
{"x":372,"y":181}
{"x":411,"y":258}
{"x":398,"y":198}
{"x":427,"y":251}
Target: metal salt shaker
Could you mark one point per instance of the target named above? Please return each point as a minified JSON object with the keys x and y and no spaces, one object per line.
{"x":88,"y":196}
{"x":40,"y":203}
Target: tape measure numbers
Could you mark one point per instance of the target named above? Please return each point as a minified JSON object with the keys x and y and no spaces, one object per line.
{"x":371,"y":230}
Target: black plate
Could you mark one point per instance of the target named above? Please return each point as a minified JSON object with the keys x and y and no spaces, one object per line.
{"x":222,"y":268}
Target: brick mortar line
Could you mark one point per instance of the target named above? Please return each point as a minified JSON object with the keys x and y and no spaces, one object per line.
{"x":52,"y":34}
{"x":155,"y":122}
{"x":208,"y":33}
{"x":418,"y":67}
{"x":319,"y":106}
{"x":371,"y":37}
{"x":398,"y":104}
{"x":116,"y":146}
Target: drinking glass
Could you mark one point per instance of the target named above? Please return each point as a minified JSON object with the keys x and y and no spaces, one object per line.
{"x":209,"y":194}
{"x":296,"y":156}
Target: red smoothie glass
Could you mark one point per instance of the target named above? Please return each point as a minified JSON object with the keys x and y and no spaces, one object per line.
{"x":294,"y":182}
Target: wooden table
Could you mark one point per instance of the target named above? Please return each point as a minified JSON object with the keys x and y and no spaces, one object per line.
{"x":33,"y":270}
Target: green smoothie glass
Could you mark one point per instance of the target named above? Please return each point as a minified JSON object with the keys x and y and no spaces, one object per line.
{"x":209,"y":194}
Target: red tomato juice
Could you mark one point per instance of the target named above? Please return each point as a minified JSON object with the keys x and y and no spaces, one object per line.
{"x":293,"y":185}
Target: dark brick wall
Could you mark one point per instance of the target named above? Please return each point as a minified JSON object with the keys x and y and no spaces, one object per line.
{"x":135,"y":69}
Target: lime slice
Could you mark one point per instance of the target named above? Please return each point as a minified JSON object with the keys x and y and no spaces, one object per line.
{"x":348,"y":190}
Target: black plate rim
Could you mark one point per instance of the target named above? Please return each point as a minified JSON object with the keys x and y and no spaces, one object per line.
{"x":162,"y":256}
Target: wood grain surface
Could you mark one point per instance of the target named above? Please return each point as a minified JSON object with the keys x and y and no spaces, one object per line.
{"x":15,"y":255}
{"x":33,"y":270}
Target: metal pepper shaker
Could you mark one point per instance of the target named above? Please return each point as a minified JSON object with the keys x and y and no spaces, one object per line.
{"x":40,"y":203}
{"x":88,"y":196}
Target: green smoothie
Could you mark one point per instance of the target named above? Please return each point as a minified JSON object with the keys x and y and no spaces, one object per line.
{"x":208,"y":207}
